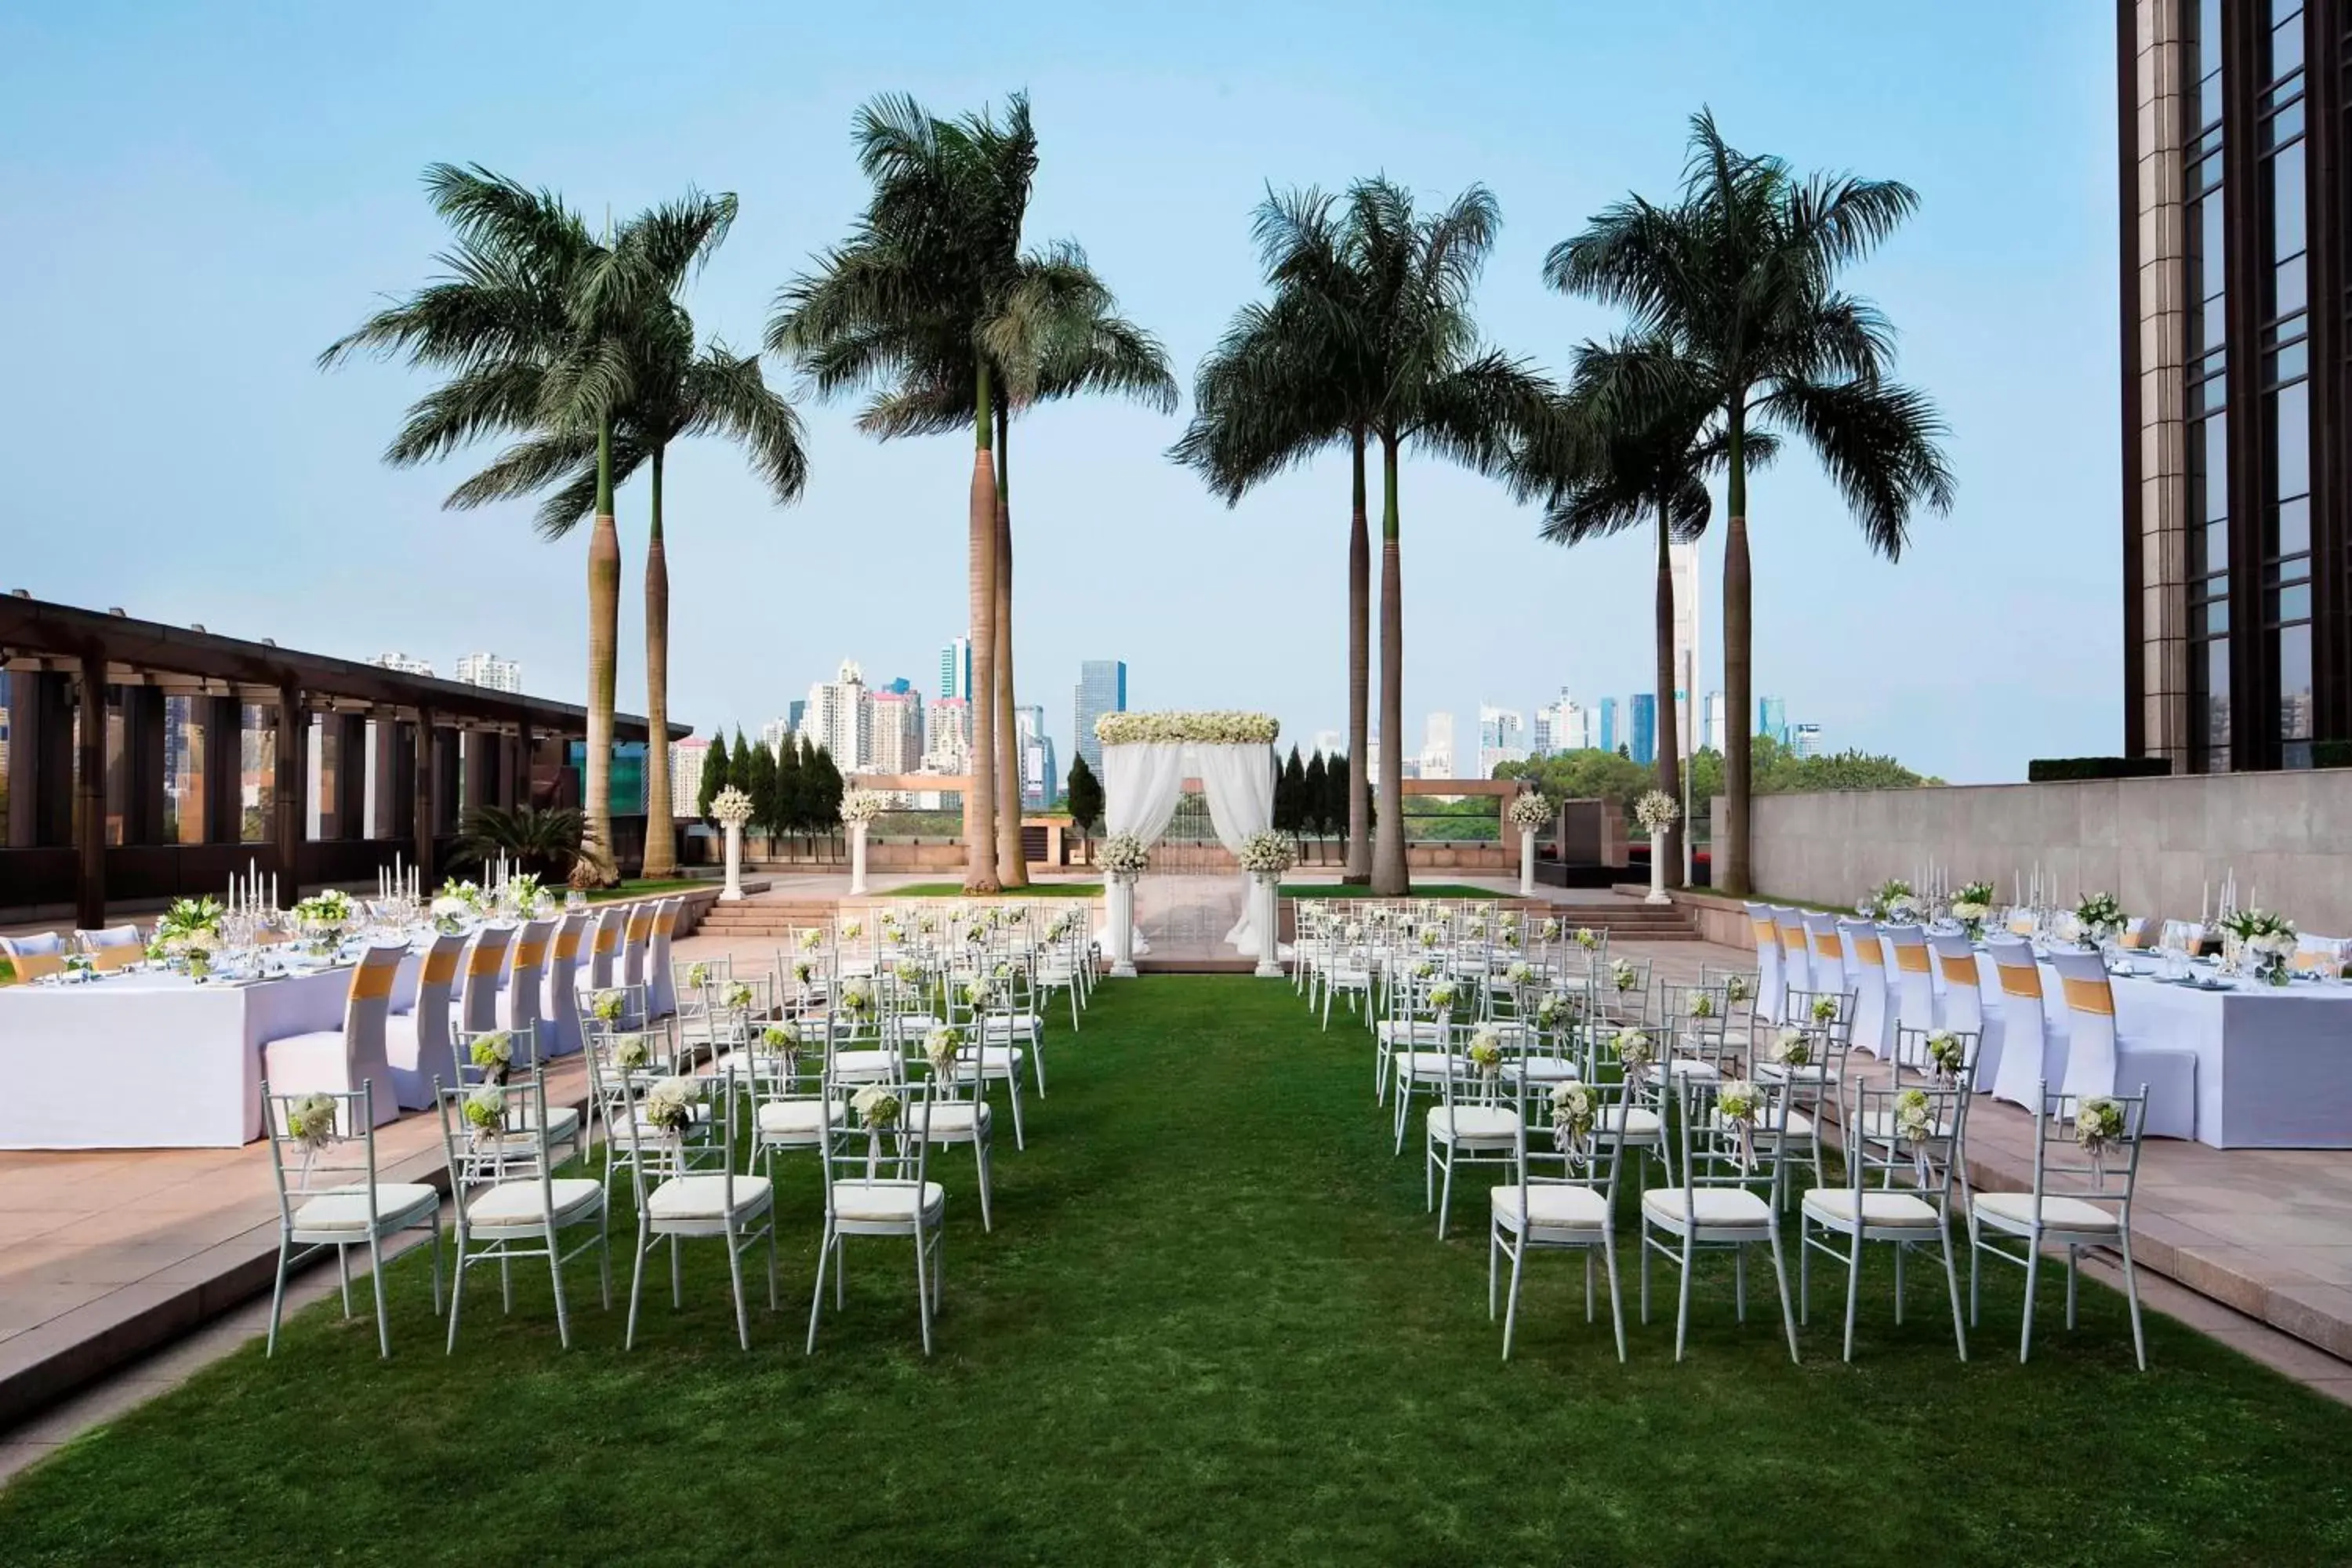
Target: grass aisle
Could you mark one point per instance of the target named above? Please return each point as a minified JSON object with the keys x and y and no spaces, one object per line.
{"x":1213,"y":1325}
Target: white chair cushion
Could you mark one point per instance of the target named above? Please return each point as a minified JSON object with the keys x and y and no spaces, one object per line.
{"x":995,"y":1061}
{"x":1633,"y":1121}
{"x":705,"y":1197}
{"x":1711,"y":1205}
{"x":884,"y":1201}
{"x":1552,"y":1208}
{"x":2014,"y":1211}
{"x":1878,"y":1208}
{"x":516,"y":1203}
{"x":867,"y":1064}
{"x":1398,"y":1031}
{"x":1541,"y":1069}
{"x":958,"y":1119}
{"x":345,"y":1208}
{"x":1690,"y":1069}
{"x":1495,"y":1123}
{"x":785,"y":1118}
{"x":1430,"y":1065}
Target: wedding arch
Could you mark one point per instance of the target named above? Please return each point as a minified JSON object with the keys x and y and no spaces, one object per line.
{"x":1147,"y":757}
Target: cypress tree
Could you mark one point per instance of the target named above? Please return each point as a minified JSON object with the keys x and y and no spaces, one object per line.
{"x":761,"y":787}
{"x":1313,"y":793}
{"x":1084,"y":795}
{"x":790,"y":786}
{"x":1292,"y":806}
{"x":714,"y":774}
{"x":824,"y":791}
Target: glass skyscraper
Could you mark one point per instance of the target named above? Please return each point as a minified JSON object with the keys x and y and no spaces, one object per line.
{"x":1102,"y":689}
{"x":1607,"y":737}
{"x":1645,"y":728}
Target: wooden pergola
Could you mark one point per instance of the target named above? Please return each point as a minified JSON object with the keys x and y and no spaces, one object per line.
{"x":434,"y":743}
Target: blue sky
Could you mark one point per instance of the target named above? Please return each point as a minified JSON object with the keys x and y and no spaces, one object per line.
{"x":202,"y":198}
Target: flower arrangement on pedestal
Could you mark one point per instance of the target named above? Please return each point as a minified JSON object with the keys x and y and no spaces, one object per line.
{"x":731,"y":806}
{"x":1267,"y":854}
{"x":862,"y":805}
{"x":1124,"y":854}
{"x":1657,"y":811}
{"x":1207,"y":729}
{"x":1532,"y":812}
{"x":2097,"y":918}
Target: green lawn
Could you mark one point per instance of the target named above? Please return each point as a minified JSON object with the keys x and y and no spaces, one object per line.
{"x":639,"y":890}
{"x":1419,"y":891}
{"x":1212,"y":1325}
{"x":1034,"y":890}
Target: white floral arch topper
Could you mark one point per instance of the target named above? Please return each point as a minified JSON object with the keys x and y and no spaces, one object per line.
{"x":1204,"y":729}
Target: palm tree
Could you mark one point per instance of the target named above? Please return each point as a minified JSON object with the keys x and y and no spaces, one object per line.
{"x":932,"y":305}
{"x":674,"y":393}
{"x":1600,"y":467}
{"x":1439,"y":388}
{"x":1284,"y":384}
{"x":1740,"y":276}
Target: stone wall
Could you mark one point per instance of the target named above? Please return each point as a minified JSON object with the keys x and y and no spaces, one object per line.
{"x":2154,"y":843}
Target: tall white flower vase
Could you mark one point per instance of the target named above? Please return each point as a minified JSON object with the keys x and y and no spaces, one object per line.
{"x":1526,"y":865}
{"x":1122,"y":926}
{"x":1269,"y":926}
{"x":858,"y":860}
{"x":1657,"y":868}
{"x":733,"y":892}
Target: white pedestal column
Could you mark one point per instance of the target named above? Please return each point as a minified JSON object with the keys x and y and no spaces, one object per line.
{"x":1657,"y":868}
{"x":733,"y":892}
{"x":1526,"y":865}
{"x":1269,"y":926}
{"x":858,"y":860}
{"x":1123,"y":927}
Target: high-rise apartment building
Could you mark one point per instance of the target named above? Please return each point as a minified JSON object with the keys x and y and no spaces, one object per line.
{"x":1329,"y":742}
{"x":1565,"y":726}
{"x":1502,"y":738}
{"x":1645,"y":728}
{"x":1102,"y":689}
{"x":686,"y":759}
{"x":1607,"y":738}
{"x":1717,"y":718}
{"x":1038,"y":784}
{"x":2237,"y":372}
{"x":775,"y":732}
{"x":488,"y":670}
{"x":407,"y":663}
{"x":947,"y":736}
{"x":1772,"y":718}
{"x":955,"y":669}
{"x":1806,"y":741}
{"x":1437,"y":747}
{"x":838,"y":717}
{"x":894,"y":729}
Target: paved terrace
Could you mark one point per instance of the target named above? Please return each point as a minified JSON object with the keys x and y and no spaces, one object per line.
{"x":122,"y":1272}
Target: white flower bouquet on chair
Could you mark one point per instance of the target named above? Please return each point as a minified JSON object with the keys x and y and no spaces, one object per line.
{"x":1656,"y":812}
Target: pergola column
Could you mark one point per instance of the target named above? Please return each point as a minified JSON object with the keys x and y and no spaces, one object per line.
{"x":446,"y":775}
{"x":40,"y":759}
{"x":526,"y":745}
{"x":89,"y":898}
{"x":420,"y":793}
{"x":349,"y":733}
{"x":287,"y":797}
{"x":481,"y":769}
{"x":224,"y":721}
{"x":143,"y":764}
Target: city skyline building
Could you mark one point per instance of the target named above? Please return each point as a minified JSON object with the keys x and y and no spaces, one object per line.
{"x":1807,"y":740}
{"x":775,"y":732}
{"x":1772,"y":719}
{"x":2236,"y":237}
{"x":1038,"y":784}
{"x":1437,"y":746}
{"x":947,"y":736}
{"x":894,"y":729}
{"x":1682,"y":565}
{"x":1607,"y":737}
{"x":1717,"y":720}
{"x":955,"y":669}
{"x":406,"y":664}
{"x":686,"y":759}
{"x":1644,"y":749}
{"x":838,"y":717}
{"x":1328,"y":744}
{"x":1102,"y":689}
{"x":1502,"y":738}
{"x":487,"y":669}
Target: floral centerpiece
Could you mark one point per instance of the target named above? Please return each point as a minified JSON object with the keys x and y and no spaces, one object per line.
{"x":190,"y":933}
{"x":494,"y":1054}
{"x":669,"y":1106}
{"x":1124,"y":855}
{"x":526,"y":893}
{"x":862,"y":805}
{"x":1792,"y":1046}
{"x":731,"y":807}
{"x":1266,"y":855}
{"x":2263,"y":937}
{"x":1947,"y":1059}
{"x":1657,"y":811}
{"x":1575,"y":1110}
{"x":2097,"y":918}
{"x":1889,"y":903}
{"x":1972,"y":906}
{"x":2098,"y":1125}
{"x":1207,"y":729}
{"x":1531,"y":811}
{"x":324,"y":917}
{"x":1487,"y":1052}
{"x":454,"y":905}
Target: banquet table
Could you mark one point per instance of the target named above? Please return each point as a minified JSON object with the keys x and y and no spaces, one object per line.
{"x":147,"y":1060}
{"x":2273,"y":1063}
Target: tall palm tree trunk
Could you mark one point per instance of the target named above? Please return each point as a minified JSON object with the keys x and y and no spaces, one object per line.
{"x":604,"y":648}
{"x":1391,"y":878}
{"x":1012,"y":867}
{"x":661,"y":833}
{"x":1670,"y":751}
{"x":980,"y":800}
{"x":1359,"y":677}
{"x":1730,"y":862}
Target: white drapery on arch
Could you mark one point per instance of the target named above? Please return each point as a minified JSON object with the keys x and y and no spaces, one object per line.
{"x":1142,"y":782}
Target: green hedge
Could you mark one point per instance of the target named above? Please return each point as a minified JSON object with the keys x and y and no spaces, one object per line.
{"x":2331,"y":753}
{"x":2056,"y":770}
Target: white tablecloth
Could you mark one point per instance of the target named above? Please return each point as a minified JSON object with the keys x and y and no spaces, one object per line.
{"x":152,"y":1060}
{"x":2273,"y":1063}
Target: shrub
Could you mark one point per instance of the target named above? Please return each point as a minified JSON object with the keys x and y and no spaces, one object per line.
{"x":2060,"y":770}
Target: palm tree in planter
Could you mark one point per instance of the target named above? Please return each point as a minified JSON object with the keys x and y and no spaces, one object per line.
{"x":1630,"y":443}
{"x":674,"y":392}
{"x":1741,"y":277}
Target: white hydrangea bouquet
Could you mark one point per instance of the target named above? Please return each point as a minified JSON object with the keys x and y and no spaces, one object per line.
{"x":1575,"y":1111}
{"x":2097,"y":918}
{"x":2098,"y":1126}
{"x":1634,"y":1050}
{"x":1124,"y":854}
{"x":1972,"y":907}
{"x":1441,"y":998}
{"x":939,"y":1048}
{"x":861,"y":805}
{"x":494,"y":1054}
{"x":1557,"y":1008}
{"x":1657,"y":811}
{"x":310,"y":1121}
{"x":669,"y":1106}
{"x":1792,"y":1048}
{"x":1947,"y":1057}
{"x":605,"y":1008}
{"x":1268,"y":854}
{"x":878,"y":1107}
{"x":486,"y":1110}
{"x":731,"y":806}
{"x":1889,"y":903}
{"x":1624,"y":976}
{"x":1487,"y":1053}
{"x":2268,"y":939}
{"x":1740,"y":1105}
{"x":1531,"y":811}
{"x":633,"y":1053}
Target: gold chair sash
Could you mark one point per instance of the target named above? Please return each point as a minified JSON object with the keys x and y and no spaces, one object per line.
{"x":370,"y":981}
{"x":1793,"y":938}
{"x":35,"y":965}
{"x":2019,"y":979}
{"x":484,"y":959}
{"x":1827,"y":945}
{"x":1910,"y":960}
{"x":608,"y":937}
{"x":1960,"y":971}
{"x":121,"y":955}
{"x":530,"y":955}
{"x":1767,"y":931}
{"x":567,"y":944}
{"x":440,"y":968}
{"x":2090,"y":997}
{"x":1868,"y":950}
